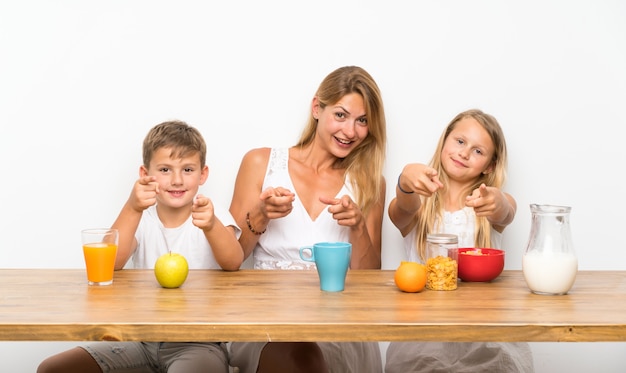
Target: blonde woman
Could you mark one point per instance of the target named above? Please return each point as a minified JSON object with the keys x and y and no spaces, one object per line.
{"x":327,"y":187}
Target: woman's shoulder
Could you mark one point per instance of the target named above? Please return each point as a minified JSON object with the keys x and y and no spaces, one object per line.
{"x":259,"y":151}
{"x":257,"y":155}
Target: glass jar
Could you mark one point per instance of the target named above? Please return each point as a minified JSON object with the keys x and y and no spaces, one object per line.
{"x":441,"y":263}
{"x":549,"y":263}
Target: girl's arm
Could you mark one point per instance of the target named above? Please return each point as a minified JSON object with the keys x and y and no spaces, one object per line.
{"x":403,"y":208}
{"x":415,"y":180}
{"x":505,"y":213}
{"x":498,"y":207}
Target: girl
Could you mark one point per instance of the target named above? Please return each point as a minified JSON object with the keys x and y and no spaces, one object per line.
{"x":459,"y":192}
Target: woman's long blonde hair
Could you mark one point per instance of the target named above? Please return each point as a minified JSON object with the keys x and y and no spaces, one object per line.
{"x":364,"y":165}
{"x":431,"y":209}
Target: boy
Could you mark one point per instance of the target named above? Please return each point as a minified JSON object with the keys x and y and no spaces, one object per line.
{"x":164,"y":212}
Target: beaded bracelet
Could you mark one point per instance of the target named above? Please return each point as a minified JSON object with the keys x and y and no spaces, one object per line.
{"x":250,"y":225}
{"x":399,"y":187}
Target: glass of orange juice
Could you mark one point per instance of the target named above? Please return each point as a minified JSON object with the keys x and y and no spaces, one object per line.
{"x":100,"y":249}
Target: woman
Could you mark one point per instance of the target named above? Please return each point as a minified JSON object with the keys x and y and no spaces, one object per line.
{"x":328,"y":187}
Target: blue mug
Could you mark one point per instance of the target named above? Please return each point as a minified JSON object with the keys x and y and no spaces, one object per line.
{"x":332,"y":260}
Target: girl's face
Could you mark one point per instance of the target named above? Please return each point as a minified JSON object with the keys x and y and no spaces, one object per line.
{"x":343,"y":126}
{"x":467,"y":151}
{"x":178,"y":179}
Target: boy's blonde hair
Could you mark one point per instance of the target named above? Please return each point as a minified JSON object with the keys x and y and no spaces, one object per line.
{"x":183,"y":140}
{"x":431,"y":209}
{"x":364,"y":165}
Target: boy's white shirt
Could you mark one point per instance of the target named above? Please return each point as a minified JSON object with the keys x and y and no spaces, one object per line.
{"x":186,"y":239}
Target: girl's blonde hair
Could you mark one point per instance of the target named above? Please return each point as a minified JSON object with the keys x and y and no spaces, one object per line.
{"x":431,"y":209}
{"x":364,"y":165}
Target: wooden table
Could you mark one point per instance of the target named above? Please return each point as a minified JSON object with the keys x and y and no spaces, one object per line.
{"x":249,"y":305}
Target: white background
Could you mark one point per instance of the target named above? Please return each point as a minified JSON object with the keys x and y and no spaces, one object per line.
{"x":82,"y":82}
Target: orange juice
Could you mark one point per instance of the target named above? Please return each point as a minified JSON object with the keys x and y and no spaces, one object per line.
{"x":100,"y":262}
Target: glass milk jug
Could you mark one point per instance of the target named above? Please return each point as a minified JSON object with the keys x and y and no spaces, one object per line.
{"x":550,"y":263}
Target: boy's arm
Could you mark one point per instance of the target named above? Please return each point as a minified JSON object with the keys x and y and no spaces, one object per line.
{"x":142,"y":196}
{"x":126,"y":223}
{"x":223,"y":240}
{"x":225,"y":246}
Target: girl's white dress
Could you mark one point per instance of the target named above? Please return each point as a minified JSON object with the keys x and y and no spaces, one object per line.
{"x":412,"y":357}
{"x":278,"y":248}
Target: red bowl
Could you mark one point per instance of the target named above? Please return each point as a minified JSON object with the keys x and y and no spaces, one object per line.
{"x":479,"y":264}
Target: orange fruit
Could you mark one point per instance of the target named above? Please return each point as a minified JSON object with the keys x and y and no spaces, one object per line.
{"x":410,"y":277}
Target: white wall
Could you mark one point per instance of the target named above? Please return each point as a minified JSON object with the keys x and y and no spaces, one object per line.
{"x":82,"y":82}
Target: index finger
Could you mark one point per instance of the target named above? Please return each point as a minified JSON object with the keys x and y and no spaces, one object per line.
{"x":146,"y":180}
{"x":275,"y":192}
{"x":482,"y":189}
{"x":437,"y":182}
{"x":149,"y":181}
{"x":201,"y":200}
{"x":329,"y":201}
{"x":433,"y":176}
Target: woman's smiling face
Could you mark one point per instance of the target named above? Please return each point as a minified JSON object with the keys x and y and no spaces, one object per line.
{"x":343,"y":125}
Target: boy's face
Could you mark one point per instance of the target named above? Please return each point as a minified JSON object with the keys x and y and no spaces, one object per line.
{"x":178,"y":179}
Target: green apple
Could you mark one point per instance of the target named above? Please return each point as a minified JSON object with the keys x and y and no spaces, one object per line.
{"x":171,"y":270}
